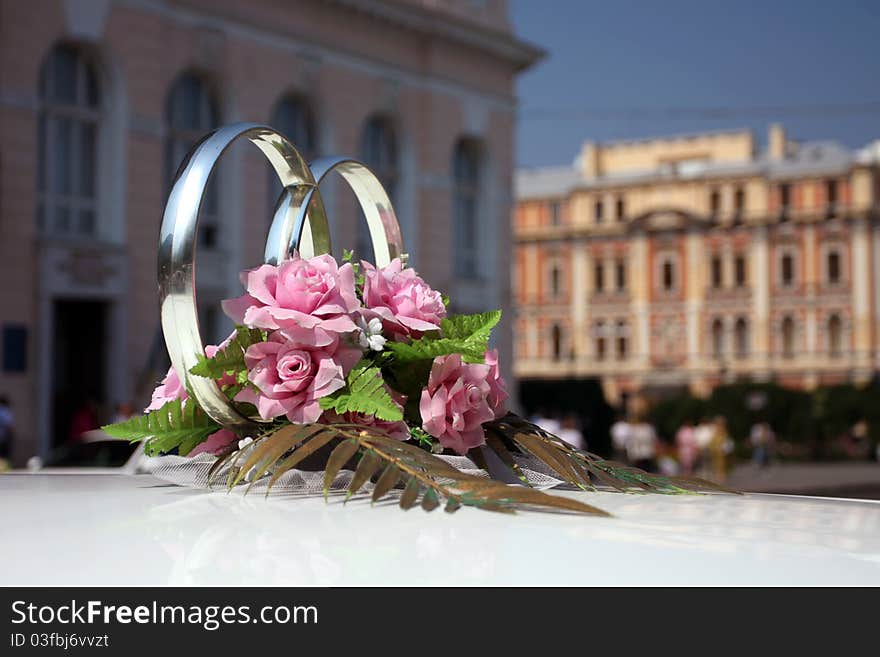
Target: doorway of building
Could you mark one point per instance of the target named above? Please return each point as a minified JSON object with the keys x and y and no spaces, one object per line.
{"x":78,"y":362}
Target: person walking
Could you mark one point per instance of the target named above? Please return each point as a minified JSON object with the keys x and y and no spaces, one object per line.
{"x":641,"y":447}
{"x":686,"y":445}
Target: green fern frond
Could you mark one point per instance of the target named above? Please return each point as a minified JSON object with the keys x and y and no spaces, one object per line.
{"x":364,"y":392}
{"x":467,"y":335}
{"x":229,"y":359}
{"x":176,"y":425}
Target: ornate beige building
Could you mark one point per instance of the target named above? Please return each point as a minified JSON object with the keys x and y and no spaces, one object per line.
{"x":692,"y":260}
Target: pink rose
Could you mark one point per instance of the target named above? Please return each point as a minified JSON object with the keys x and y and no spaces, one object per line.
{"x":398,"y":430}
{"x":456,"y":403}
{"x":171,"y":387}
{"x":311,"y":300}
{"x":291,"y":377}
{"x":497,"y":386}
{"x":216,"y":443}
{"x":404,"y":302}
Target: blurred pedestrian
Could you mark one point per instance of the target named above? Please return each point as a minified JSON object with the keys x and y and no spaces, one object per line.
{"x":620,"y":433}
{"x":570,"y":433}
{"x":720,"y":446}
{"x":688,"y":449}
{"x":547,"y":423}
{"x":84,"y":419}
{"x":641,"y":446}
{"x":762,"y":440}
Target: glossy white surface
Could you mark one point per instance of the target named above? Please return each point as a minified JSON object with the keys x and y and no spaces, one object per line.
{"x":116,"y":530}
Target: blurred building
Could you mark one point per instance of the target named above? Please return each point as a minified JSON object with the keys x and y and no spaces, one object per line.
{"x":100,"y":100}
{"x":683,"y":262}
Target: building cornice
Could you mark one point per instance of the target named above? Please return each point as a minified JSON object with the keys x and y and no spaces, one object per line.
{"x":430,"y":22}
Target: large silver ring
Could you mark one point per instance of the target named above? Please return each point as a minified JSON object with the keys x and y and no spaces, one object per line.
{"x":177,"y":247}
{"x":290,"y":232}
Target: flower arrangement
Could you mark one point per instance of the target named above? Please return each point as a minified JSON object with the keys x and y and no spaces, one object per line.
{"x":348,"y":364}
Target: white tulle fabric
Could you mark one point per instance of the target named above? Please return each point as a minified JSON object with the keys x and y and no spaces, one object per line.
{"x":193,"y":473}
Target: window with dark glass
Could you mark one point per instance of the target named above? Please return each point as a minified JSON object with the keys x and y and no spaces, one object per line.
{"x":716,"y":272}
{"x":833,"y":268}
{"x":787,"y":266}
{"x":621,"y":209}
{"x":600,"y":341}
{"x":668,"y":275}
{"x":831,"y":197}
{"x":741,"y":337}
{"x":379,"y":151}
{"x":554,"y":281}
{"x":739,"y":204}
{"x":715,"y":204}
{"x":67,"y":144}
{"x":739,"y":270}
{"x":788,"y":337}
{"x":620,"y":275}
{"x":622,"y":342}
{"x":191,"y":111}
{"x":597,"y":211}
{"x":717,"y":338}
{"x":556,"y":337}
{"x":599,"y":277}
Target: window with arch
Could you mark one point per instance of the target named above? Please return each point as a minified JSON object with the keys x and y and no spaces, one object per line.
{"x":739,"y":271}
{"x":598,"y":208}
{"x":292,"y":116}
{"x":599,"y":277}
{"x":379,"y":151}
{"x":832,"y":262}
{"x":835,"y":336}
{"x":620,"y":275}
{"x":68,"y":125}
{"x":717,"y":334}
{"x":787,"y":335}
{"x":466,"y":161}
{"x":556,"y":341}
{"x":741,"y":337}
{"x":190,"y":112}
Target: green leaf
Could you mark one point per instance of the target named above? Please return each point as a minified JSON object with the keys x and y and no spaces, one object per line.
{"x":229,"y":359}
{"x":174,"y":426}
{"x":467,"y":335}
{"x":364,"y":392}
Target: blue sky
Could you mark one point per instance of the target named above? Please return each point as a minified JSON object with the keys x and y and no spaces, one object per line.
{"x":621,"y":69}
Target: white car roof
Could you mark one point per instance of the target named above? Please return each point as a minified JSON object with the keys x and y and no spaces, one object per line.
{"x":137,"y":530}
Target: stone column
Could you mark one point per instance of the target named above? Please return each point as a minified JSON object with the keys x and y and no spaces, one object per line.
{"x":759,"y":277}
{"x":641,"y":281}
{"x":861,"y":301}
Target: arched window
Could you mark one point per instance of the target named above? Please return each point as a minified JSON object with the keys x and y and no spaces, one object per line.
{"x":69,"y":120}
{"x":667,"y":275}
{"x":379,"y":151}
{"x":788,"y":337}
{"x":293,"y":118}
{"x":715,"y":204}
{"x":835,"y":336}
{"x":717,"y":338}
{"x":716,"y":271}
{"x":599,"y":277}
{"x":620,"y":275}
{"x":741,"y":337}
{"x":191,"y":111}
{"x":465,"y":208}
{"x":556,"y":339}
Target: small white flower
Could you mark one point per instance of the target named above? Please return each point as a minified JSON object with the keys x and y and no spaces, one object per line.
{"x":244,"y":442}
{"x":370,"y":336}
